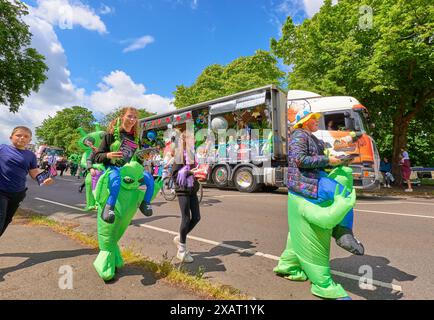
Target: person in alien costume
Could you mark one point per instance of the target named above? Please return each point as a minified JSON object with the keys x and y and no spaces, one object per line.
{"x":128,"y":201}
{"x":307,"y":252}
{"x":74,"y":160}
{"x":90,"y":142}
{"x":320,"y":206}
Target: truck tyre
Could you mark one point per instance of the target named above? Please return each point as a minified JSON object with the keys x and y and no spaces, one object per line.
{"x":220,"y":176}
{"x":244,"y":180}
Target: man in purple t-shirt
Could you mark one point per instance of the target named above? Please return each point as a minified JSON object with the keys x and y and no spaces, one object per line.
{"x":15,"y":163}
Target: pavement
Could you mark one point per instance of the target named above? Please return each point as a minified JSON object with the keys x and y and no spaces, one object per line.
{"x":38,"y":263}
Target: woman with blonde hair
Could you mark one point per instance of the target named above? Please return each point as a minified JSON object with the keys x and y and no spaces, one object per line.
{"x":125,"y":126}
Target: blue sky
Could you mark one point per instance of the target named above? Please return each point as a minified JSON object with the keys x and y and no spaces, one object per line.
{"x":104,"y":54}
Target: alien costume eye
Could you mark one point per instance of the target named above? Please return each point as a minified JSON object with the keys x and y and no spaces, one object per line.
{"x":128,"y":180}
{"x":141,"y":180}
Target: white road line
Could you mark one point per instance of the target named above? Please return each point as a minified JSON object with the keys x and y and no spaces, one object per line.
{"x":242,"y":250}
{"x":395,"y":214}
{"x":269,"y":256}
{"x":398,"y":202}
{"x":60,"y":204}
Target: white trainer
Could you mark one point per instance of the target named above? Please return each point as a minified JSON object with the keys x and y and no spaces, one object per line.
{"x":184,"y":256}
{"x":408,"y":190}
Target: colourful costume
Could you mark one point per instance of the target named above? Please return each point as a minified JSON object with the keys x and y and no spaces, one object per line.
{"x":74,"y":160}
{"x":109,"y":234}
{"x":307,"y":252}
{"x":86,"y":143}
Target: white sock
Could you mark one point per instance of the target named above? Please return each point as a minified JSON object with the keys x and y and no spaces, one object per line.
{"x":181,"y":247}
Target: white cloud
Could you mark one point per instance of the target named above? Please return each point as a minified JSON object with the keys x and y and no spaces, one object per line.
{"x":194,"y":4}
{"x":56,"y":93}
{"x":59,"y":92}
{"x":65,"y":14}
{"x":139,"y":43}
{"x":313,"y":6}
{"x":118,"y":89}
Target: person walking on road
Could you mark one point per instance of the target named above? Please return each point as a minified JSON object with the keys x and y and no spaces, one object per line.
{"x":186,"y":188}
{"x":15,"y":163}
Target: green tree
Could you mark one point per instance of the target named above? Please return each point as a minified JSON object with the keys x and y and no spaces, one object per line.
{"x":143,"y":113}
{"x":387,"y":64}
{"x":22,"y":69}
{"x":61,"y":130}
{"x":241,"y":74}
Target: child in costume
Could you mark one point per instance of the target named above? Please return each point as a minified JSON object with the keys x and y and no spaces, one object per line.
{"x":15,"y":163}
{"x":124,"y":126}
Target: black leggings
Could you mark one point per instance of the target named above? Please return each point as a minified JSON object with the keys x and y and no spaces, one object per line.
{"x":9,"y":203}
{"x":187,"y":204}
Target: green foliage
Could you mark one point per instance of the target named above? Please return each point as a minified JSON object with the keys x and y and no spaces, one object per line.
{"x":388,"y":66}
{"x":143,"y":113}
{"x":241,"y":74}
{"x":22,"y":69}
{"x":61,"y":130}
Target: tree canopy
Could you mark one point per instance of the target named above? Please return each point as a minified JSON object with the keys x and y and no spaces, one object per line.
{"x":22,"y":69}
{"x":241,"y":74}
{"x":379,"y":51}
{"x":61,"y":130}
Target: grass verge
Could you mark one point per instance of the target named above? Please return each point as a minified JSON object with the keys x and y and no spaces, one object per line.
{"x":164,"y":270}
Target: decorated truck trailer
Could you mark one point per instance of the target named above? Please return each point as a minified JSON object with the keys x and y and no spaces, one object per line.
{"x":242,"y":138}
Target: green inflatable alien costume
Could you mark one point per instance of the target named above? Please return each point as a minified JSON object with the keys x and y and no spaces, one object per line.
{"x":87,"y":141}
{"x":128,"y":201}
{"x":307,"y":253}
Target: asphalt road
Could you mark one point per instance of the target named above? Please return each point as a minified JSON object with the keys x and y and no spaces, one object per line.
{"x":241,"y":236}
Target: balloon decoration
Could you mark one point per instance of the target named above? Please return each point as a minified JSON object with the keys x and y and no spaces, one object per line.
{"x":151,"y":135}
{"x":219,"y":123}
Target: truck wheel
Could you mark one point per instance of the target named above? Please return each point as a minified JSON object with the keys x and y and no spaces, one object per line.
{"x":220,"y":176}
{"x":244,"y":180}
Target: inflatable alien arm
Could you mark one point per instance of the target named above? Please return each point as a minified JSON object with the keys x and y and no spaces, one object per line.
{"x":327,"y":217}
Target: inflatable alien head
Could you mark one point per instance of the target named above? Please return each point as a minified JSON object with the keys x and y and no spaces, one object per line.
{"x":131,"y":175}
{"x":90,"y":139}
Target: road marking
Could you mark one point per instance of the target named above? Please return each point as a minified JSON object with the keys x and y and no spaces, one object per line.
{"x":60,"y":204}
{"x":268,"y":256}
{"x":241,"y":250}
{"x":398,"y":202}
{"x":396,"y":214}
{"x":63,"y":179}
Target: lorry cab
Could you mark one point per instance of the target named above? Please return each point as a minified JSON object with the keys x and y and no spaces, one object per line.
{"x":345,"y":128}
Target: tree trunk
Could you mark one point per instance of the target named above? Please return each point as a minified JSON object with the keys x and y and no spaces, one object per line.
{"x":400,"y":128}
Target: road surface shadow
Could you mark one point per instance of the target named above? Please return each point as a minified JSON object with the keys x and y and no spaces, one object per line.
{"x":367,"y":266}
{"x":35,"y":258}
{"x":128,"y":271}
{"x":138,"y":222}
{"x":208,"y":259}
{"x":208,"y":202}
